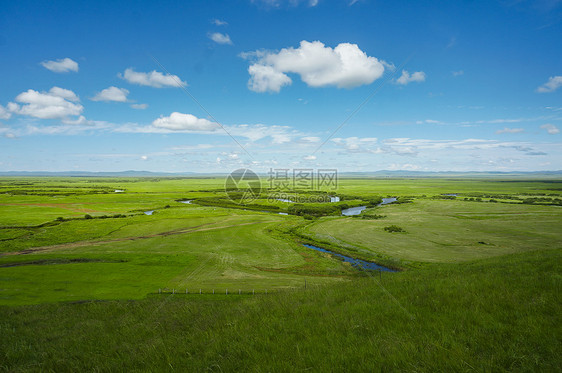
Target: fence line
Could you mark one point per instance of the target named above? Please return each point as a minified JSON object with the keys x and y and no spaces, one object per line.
{"x":240,"y":291}
{"x":201,"y":291}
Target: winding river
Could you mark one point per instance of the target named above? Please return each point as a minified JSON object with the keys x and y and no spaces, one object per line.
{"x":357,"y":210}
{"x":358,"y":263}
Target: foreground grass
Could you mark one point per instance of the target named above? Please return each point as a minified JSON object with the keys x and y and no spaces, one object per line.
{"x":496,"y":314}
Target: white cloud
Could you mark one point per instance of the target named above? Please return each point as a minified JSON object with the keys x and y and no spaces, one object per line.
{"x":509,"y":130}
{"x":279,"y":3}
{"x":187,"y":123}
{"x":67,"y":94}
{"x":144,"y":157}
{"x":218,"y":22}
{"x":266,"y":78}
{"x":310,"y":139}
{"x":405,"y":78}
{"x":428,"y":121}
{"x":310,"y":158}
{"x":256,"y":132}
{"x":151,"y":79}
{"x":139,"y":106}
{"x":112,"y":94}
{"x":357,"y":144}
{"x":63,"y":65}
{"x":403,"y":167}
{"x":550,"y":128}
{"x":554,"y":82}
{"x":219,"y":38}
{"x":458,"y":73}
{"x":184,"y":122}
{"x":82,"y":121}
{"x":58,"y":103}
{"x":4,"y":113}
{"x":345,"y":66}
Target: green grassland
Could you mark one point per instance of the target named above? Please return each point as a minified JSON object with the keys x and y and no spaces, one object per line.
{"x":81,"y":266}
{"x":498,"y":314}
{"x":447,"y":231}
{"x":184,"y":248}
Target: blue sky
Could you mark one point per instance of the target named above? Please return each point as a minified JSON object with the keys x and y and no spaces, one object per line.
{"x":211,"y":86}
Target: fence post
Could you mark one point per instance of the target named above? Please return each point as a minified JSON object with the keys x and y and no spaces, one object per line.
{"x":187,"y":292}
{"x":226,"y":291}
{"x":238,"y":291}
{"x":159,"y":291}
{"x":199,"y":291}
{"x":173,"y":291}
{"x":213,"y":291}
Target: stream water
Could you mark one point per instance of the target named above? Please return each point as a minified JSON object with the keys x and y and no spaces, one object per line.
{"x":358,"y":263}
{"x":357,"y":210}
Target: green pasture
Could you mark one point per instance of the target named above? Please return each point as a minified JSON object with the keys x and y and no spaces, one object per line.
{"x":81,"y":267}
{"x":500,"y":314}
{"x":188,"y":248}
{"x":446,"y":231}
{"x":121,"y":253}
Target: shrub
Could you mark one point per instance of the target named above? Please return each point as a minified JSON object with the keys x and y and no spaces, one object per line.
{"x":88,"y":216}
{"x":393,"y":228}
{"x":371,"y":217}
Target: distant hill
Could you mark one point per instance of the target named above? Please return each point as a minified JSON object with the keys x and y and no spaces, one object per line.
{"x":129,"y":173}
{"x":382,"y":173}
{"x":387,"y":173}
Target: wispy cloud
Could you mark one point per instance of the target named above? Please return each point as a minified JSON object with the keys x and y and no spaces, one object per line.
{"x":154,"y":79}
{"x":510,"y":130}
{"x":553,"y":83}
{"x":63,"y":65}
{"x":139,"y":106}
{"x":220,"y":38}
{"x":406,"y":77}
{"x":550,"y":128}
{"x":4,"y":113}
{"x":218,"y":22}
{"x":282,"y":3}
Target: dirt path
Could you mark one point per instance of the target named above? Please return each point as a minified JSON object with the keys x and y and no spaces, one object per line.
{"x":71,"y":245}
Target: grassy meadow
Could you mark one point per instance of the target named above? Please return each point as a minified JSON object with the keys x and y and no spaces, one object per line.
{"x":81,"y":265}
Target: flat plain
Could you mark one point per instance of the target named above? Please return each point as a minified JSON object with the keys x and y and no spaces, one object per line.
{"x":475,"y":256}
